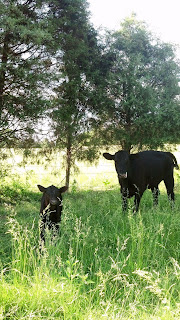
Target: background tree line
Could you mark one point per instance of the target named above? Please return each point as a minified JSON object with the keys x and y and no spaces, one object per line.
{"x":88,"y":90}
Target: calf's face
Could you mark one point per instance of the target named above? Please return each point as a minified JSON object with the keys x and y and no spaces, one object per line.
{"x":121,"y":159}
{"x":52,"y":194}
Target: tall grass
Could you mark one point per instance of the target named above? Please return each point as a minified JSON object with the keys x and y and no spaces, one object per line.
{"x":103,"y":265}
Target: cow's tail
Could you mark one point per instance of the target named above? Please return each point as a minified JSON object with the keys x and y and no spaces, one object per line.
{"x":174,"y":160}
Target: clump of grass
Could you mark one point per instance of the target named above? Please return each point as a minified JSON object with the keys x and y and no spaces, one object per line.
{"x":103,"y":265}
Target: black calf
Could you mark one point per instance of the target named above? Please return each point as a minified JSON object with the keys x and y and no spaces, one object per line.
{"x":51,"y":208}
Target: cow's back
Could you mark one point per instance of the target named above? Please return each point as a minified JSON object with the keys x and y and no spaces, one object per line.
{"x":149,"y":168}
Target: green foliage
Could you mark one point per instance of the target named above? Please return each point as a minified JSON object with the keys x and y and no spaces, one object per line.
{"x":99,"y":92}
{"x":77,"y":49}
{"x":23,"y":73}
{"x":143,"y":89}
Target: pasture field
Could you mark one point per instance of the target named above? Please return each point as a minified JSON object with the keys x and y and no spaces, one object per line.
{"x":103,"y":265}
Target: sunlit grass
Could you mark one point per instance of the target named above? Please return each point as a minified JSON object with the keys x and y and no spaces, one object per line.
{"x":103,"y":264}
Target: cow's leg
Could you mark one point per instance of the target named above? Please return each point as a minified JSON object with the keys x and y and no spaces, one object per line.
{"x":56,"y":229}
{"x":42,"y":237}
{"x":137,"y":201}
{"x":124,"y":204}
{"x":155,"y":192}
{"x":42,"y":228}
{"x":54,"y":232}
{"x":124,"y":200}
{"x":169,"y":183}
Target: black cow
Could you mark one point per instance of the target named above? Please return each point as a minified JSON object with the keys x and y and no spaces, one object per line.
{"x":137,"y":172}
{"x":51,"y":208}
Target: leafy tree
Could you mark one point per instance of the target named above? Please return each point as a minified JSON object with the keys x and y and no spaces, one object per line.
{"x":24,"y":37}
{"x":78,"y":57}
{"x":142,"y":90}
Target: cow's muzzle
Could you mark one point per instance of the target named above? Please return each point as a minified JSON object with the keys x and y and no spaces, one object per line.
{"x":53,"y":202}
{"x":123,"y":175}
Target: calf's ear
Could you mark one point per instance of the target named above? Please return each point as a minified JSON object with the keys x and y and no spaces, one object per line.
{"x":63,"y":189}
{"x":108,"y":156}
{"x":41,"y":188}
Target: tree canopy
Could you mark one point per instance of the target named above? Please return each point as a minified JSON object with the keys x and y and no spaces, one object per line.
{"x":121,"y":89}
{"x":24,"y":69}
{"x":142,"y":89}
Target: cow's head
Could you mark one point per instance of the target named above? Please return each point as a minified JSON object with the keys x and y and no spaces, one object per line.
{"x":52,"y":194}
{"x":121,"y":159}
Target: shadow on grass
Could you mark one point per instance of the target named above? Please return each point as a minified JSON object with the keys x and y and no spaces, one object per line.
{"x":17,"y":192}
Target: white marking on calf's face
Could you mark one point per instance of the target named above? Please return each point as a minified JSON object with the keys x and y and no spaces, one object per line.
{"x":123,"y":175}
{"x":53,"y":195}
{"x":54,"y":202}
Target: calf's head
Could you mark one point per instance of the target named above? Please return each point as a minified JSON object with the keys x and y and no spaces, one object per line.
{"x":121,"y":159}
{"x":52,"y":194}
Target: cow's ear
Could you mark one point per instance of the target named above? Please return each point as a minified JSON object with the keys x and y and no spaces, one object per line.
{"x":109,"y":156}
{"x":63,"y":189}
{"x":41,"y":188}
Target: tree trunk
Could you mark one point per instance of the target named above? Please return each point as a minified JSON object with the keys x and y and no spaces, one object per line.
{"x":68,"y":161}
{"x":126,"y":146}
{"x":3,"y":73}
